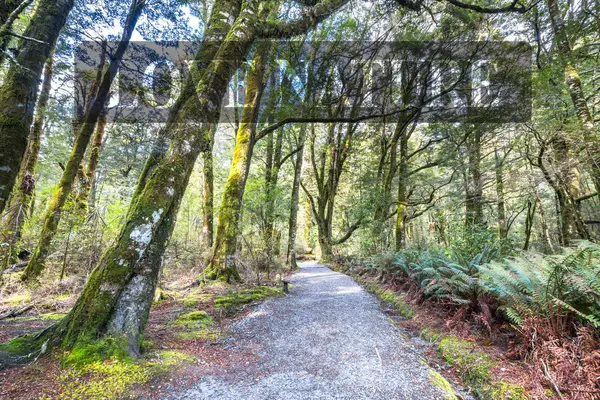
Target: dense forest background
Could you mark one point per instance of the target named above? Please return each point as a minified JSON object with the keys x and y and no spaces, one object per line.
{"x":492,"y":218}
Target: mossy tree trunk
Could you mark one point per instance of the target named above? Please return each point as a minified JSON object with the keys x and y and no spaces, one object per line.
{"x":52,"y":218}
{"x":117,"y":297}
{"x":208,"y":189}
{"x":83,"y":199}
{"x":20,"y":205}
{"x":222,"y":264}
{"x":18,"y":93}
{"x":590,"y":142}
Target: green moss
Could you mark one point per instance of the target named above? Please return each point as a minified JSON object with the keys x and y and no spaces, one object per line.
{"x":19,"y":345}
{"x":194,"y":320}
{"x":439,"y":381}
{"x":392,"y":298}
{"x":507,"y":391}
{"x":207,"y":334}
{"x":109,"y":348}
{"x":245,"y":296}
{"x":193,"y":299}
{"x":104,"y":380}
{"x":62,"y":296}
{"x":430,"y":334}
{"x":52,"y":316}
{"x":474,"y":366}
{"x":19,"y":299}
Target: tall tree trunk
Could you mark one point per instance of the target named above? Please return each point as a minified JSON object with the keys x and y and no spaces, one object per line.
{"x":84,"y":195}
{"x":21,"y":200}
{"x":531,"y":206}
{"x":271,"y":178}
{"x":117,"y":297}
{"x":208,"y":191}
{"x":474,"y":190}
{"x":52,"y":218}
{"x":293,"y":221}
{"x":500,"y":204}
{"x":18,"y":93}
{"x":222,"y":265}
{"x":590,"y":142}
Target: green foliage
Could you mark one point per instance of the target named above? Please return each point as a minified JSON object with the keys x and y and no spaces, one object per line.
{"x":245,"y":296}
{"x":549,"y":286}
{"x":474,"y":366}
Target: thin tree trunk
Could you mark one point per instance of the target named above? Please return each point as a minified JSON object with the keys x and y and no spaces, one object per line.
{"x":500,"y":204}
{"x":21,"y":203}
{"x":18,"y":93}
{"x":293,"y":221}
{"x":474,"y":192}
{"x":531,"y":206}
{"x":208,"y":191}
{"x":51,"y":220}
{"x":84,"y":195}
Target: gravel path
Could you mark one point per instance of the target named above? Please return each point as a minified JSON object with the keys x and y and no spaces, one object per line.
{"x":328,"y":339}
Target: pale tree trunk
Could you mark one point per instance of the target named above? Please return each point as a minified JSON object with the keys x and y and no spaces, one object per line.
{"x":21,"y":200}
{"x":18,"y":92}
{"x":401,"y":215}
{"x":53,"y":214}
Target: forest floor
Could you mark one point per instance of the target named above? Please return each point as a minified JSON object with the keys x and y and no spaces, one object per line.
{"x":328,"y":339}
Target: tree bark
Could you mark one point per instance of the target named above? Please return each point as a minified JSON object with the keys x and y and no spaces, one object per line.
{"x":18,"y":92}
{"x":208,"y":190}
{"x":293,"y":220}
{"x":222,"y":265}
{"x":500,"y":204}
{"x":53,"y":214}
{"x":591,"y":142}
{"x":21,"y":200}
{"x":474,"y":190}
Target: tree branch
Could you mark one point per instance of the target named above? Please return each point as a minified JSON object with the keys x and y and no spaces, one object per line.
{"x":512,"y":7}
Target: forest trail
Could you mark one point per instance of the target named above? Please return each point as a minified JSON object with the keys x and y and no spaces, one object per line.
{"x":328,"y":339}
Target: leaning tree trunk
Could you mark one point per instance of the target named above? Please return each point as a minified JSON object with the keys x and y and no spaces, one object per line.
{"x":222,"y":264}
{"x":21,"y":199}
{"x":18,"y":92}
{"x":65,"y":186}
{"x":84,"y":196}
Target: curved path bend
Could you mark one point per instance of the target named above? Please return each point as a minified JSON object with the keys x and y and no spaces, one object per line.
{"x":328,"y":339}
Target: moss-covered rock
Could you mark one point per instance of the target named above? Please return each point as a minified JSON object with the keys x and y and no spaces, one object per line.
{"x":108,"y":348}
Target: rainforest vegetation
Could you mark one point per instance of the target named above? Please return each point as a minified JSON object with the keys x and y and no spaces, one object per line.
{"x":192,"y":152}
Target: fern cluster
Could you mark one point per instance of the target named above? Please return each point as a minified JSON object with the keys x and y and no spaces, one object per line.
{"x":549,"y":286}
{"x":556,"y":287}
